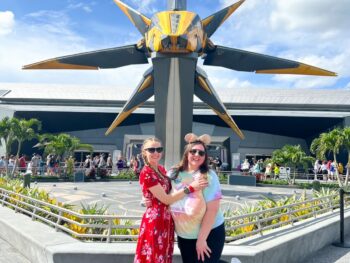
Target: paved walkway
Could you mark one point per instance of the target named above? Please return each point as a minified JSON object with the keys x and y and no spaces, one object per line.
{"x":331,"y":254}
{"x":8,"y":254}
{"x":123,"y":198}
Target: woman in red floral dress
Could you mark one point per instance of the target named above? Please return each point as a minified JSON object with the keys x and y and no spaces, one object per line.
{"x":156,"y":238}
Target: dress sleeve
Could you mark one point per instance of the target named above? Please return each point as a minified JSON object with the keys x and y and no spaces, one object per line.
{"x":148,"y":178}
{"x":213,"y":191}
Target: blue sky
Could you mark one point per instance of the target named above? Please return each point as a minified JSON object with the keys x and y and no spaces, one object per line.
{"x":312,"y":31}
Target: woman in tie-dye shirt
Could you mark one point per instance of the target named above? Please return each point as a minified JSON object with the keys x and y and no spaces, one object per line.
{"x":199,"y":223}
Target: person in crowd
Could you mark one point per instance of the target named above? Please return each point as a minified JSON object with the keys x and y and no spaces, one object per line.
{"x":109,"y":164}
{"x":218,"y":163}
{"x":324,"y":170}
{"x":2,"y":165}
{"x":268,"y":171}
{"x":96,"y":161}
{"x":276,"y":171}
{"x":156,"y":237}
{"x":89,"y":167}
{"x":140,"y":164}
{"x":317,"y":168}
{"x":120,"y":164}
{"x":11,"y":164}
{"x":35,"y":162}
{"x":102,"y":163}
{"x":245,"y":167}
{"x":22,"y":164}
{"x":340,"y":169}
{"x":199,"y":223}
{"x":50,"y":163}
{"x":329,"y":164}
{"x":133,"y":165}
{"x":333,"y":170}
{"x":101,"y":167}
{"x":211,"y":163}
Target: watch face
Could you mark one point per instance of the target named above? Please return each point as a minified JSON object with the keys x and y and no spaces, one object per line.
{"x":186,"y":190}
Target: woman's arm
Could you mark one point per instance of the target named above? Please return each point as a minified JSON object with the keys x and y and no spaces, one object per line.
{"x":206,"y":226}
{"x":159,"y":192}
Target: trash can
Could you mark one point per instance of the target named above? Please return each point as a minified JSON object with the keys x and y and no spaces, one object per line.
{"x":79,"y":175}
{"x":26,"y":182}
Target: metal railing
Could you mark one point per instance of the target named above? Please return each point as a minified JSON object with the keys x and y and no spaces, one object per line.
{"x":108,"y":228}
{"x":267,"y":219}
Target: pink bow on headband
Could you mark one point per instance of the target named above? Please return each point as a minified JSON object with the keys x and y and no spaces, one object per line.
{"x":191,"y":138}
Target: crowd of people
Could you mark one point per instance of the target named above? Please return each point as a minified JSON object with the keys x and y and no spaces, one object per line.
{"x":328,"y":170}
{"x":260,"y":169}
{"x":53,"y":165}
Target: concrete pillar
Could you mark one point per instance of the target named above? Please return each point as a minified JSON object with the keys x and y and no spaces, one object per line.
{"x":173,"y":92}
{"x":177,"y":4}
{"x":346,"y":121}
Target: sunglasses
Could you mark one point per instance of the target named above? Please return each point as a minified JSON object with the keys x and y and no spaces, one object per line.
{"x":195,"y":151}
{"x":154,"y":149}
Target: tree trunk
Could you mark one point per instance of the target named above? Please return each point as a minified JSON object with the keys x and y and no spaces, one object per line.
{"x":336,"y":170}
{"x":7,"y":157}
{"x":294,"y":175}
{"x":17,"y":157}
{"x":347,"y":170}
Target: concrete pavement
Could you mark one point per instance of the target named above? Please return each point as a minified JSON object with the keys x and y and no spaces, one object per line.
{"x":8,"y":254}
{"x":330,"y":254}
{"x":123,"y":198}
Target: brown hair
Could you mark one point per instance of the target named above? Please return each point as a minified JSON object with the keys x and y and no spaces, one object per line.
{"x":183,"y":164}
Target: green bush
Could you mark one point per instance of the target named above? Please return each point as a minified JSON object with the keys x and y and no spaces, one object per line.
{"x":316,"y":185}
{"x":125,"y":174}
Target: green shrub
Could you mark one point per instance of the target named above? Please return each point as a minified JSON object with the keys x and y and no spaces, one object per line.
{"x":316,"y":185}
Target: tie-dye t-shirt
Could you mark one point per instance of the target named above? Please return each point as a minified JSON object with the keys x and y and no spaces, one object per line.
{"x":189,"y":211}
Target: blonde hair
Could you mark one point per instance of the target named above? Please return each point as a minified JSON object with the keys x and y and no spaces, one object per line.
{"x":144,"y":157}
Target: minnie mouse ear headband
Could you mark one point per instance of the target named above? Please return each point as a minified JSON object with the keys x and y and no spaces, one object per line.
{"x":192,"y":138}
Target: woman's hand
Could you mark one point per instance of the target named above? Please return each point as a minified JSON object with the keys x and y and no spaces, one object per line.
{"x":202,"y":249}
{"x":199,"y":184}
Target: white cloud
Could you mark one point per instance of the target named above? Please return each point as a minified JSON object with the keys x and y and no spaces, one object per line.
{"x":7,"y":22}
{"x":314,"y":32}
{"x":312,"y":15}
{"x":347,"y":86}
{"x":44,"y":35}
{"x":86,"y":7}
{"x":146,"y":7}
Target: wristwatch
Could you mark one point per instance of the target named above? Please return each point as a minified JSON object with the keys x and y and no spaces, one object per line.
{"x":186,"y":190}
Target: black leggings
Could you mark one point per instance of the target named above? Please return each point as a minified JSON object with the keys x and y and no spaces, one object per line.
{"x":215,"y":241}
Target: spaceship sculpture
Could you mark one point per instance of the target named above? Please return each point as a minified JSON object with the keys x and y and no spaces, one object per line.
{"x":174,"y":40}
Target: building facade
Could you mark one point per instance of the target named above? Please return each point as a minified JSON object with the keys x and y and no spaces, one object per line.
{"x":269,"y":118}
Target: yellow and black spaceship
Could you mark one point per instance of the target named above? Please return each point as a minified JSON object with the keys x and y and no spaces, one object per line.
{"x":179,"y":33}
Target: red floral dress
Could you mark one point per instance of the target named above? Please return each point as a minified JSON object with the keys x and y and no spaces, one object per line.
{"x":156,"y":239}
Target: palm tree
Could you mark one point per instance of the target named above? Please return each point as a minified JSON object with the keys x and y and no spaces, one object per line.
{"x":329,"y":142}
{"x":61,"y":144}
{"x":6,"y":135}
{"x":293,"y":156}
{"x":278,"y":157}
{"x":346,"y":144}
{"x":23,"y":131}
{"x":316,"y":148}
